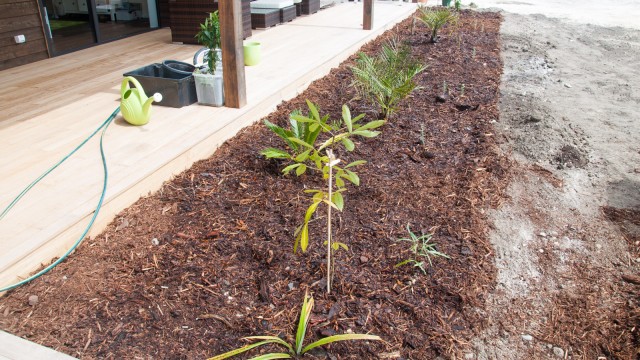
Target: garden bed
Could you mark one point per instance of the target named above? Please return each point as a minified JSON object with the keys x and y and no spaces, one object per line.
{"x":209,"y":258}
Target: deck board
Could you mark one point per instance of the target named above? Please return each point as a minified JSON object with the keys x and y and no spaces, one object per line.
{"x":15,"y":348}
{"x":49,"y":106}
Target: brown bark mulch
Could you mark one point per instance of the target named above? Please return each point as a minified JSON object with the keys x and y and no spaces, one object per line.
{"x":208,"y":259}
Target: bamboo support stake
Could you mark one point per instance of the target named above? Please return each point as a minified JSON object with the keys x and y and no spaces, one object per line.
{"x":332,"y":162}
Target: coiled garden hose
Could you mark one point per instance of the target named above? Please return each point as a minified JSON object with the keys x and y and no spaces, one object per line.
{"x":102,"y":127}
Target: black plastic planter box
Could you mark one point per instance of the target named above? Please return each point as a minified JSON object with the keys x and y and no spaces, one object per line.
{"x":177,"y":89}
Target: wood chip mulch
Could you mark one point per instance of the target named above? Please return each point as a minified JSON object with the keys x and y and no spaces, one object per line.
{"x":208,"y":259}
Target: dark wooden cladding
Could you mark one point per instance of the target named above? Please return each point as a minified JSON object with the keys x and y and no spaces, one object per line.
{"x":187,"y":15}
{"x":163,"y":13}
{"x":21,"y":17}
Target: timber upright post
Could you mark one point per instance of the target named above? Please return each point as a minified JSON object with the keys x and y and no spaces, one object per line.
{"x":367,"y":20}
{"x":235,"y":87}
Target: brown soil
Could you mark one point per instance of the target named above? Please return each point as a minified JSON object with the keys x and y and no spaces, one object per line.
{"x":209,"y":259}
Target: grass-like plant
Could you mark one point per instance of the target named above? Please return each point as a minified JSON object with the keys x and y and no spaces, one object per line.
{"x":387,"y":78}
{"x":297,"y":349}
{"x":422,"y":248}
{"x":435,"y":19}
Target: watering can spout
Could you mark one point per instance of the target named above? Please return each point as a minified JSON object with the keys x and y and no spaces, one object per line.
{"x":157,"y":97}
{"x":134,"y":103}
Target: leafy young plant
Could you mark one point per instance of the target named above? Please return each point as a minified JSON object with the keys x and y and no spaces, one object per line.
{"x":435,"y":19}
{"x":421,"y":247}
{"x":387,"y":78}
{"x":306,"y":152}
{"x":297,"y":349}
{"x":209,"y":36}
{"x":303,"y":133}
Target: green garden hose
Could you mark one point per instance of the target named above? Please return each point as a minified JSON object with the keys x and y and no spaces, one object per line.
{"x":102,"y":127}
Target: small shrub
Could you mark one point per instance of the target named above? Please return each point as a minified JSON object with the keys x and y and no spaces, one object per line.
{"x":422,"y":248}
{"x":305,"y":154}
{"x":387,"y":78}
{"x":294,"y":350}
{"x":435,"y":19}
{"x":209,"y":36}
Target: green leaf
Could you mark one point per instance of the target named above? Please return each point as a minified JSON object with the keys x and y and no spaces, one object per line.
{"x":356,"y":163}
{"x":346,"y":117}
{"x":317,"y":197}
{"x":338,"y":200}
{"x":304,"y":237}
{"x":240,"y":350}
{"x":301,"y":142}
{"x":272,"y":356}
{"x":372,"y":125}
{"x":307,"y":306}
{"x":353,"y":177}
{"x":274,"y":339}
{"x":405,"y":262}
{"x":313,"y":110}
{"x":310,"y":210}
{"x":302,"y":119}
{"x":348,"y":144}
{"x":288,"y":169}
{"x":366,"y":133}
{"x":330,"y":203}
{"x":339,"y":182}
{"x":357,"y":118}
{"x":302,"y":157}
{"x":282,"y":133}
{"x":336,"y":338}
{"x":273,"y":153}
{"x":301,"y":169}
{"x":298,"y":235}
{"x":336,"y":245}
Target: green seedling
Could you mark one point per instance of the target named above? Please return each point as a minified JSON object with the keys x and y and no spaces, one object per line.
{"x":209,"y":36}
{"x":307,"y":151}
{"x":388,"y":77}
{"x":297,"y":349}
{"x":436,"y":19}
{"x":422,"y":248}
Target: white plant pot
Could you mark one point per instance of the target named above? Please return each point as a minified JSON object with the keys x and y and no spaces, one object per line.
{"x":210,"y":89}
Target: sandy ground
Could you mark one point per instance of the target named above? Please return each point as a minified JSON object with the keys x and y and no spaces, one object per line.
{"x":570,"y":117}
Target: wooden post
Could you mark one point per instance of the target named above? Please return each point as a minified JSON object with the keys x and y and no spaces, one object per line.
{"x":367,"y":21}
{"x":235,"y":87}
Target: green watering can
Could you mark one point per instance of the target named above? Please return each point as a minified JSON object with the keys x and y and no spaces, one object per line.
{"x":134,"y":103}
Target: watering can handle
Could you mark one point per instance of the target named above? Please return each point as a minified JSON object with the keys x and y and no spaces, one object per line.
{"x":125,"y":85}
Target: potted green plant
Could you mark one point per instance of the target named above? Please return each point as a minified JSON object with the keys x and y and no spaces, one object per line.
{"x":208,"y":78}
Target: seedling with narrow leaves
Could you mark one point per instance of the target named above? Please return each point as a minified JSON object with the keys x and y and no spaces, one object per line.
{"x":422,"y":248}
{"x":435,"y":19}
{"x":297,"y":349}
{"x":387,"y":78}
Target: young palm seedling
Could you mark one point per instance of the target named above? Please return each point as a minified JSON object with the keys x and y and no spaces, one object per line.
{"x":297,"y":349}
{"x":387,"y":78}
{"x":436,"y":19}
{"x":422,"y":248}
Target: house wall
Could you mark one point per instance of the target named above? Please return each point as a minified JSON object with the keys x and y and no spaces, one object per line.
{"x":21,"y":17}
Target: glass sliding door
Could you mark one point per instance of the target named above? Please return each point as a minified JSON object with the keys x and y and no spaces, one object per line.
{"x":68,"y":25}
{"x":121,"y":18}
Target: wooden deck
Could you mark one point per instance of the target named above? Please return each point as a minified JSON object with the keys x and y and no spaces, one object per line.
{"x":15,"y":348}
{"x":50,"y":106}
